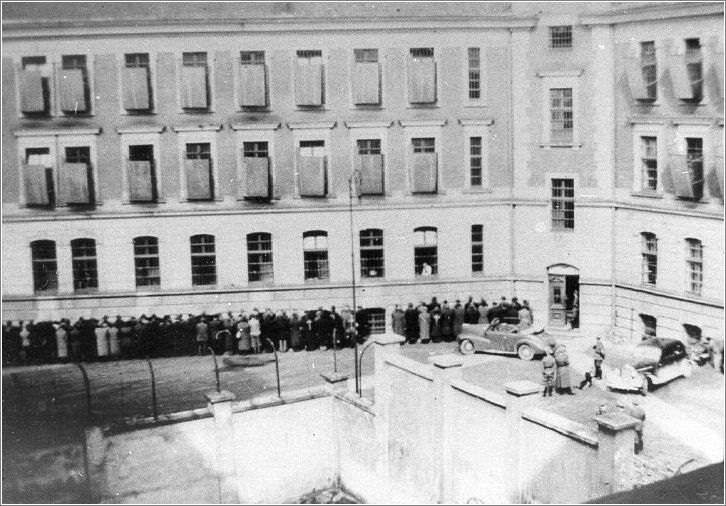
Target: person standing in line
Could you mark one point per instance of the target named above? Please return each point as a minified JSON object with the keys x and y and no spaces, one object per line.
{"x":24,"y":342}
{"x":282,"y":326}
{"x":398,"y":321}
{"x":411,"y":319}
{"x":436,"y":325}
{"x":599,"y":357}
{"x":255,"y":331}
{"x":295,"y":331}
{"x":101,"y":332}
{"x":549,"y":369}
{"x":424,"y":325}
{"x":459,"y":316}
{"x":61,"y":341}
{"x":74,"y":337}
{"x":447,"y":322}
{"x":202,"y":336}
{"x":114,"y":346}
{"x":483,"y":309}
{"x":563,"y":384}
{"x":472,"y":313}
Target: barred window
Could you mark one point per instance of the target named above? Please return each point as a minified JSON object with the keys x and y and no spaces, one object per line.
{"x":649,"y":326}
{"x":694,"y":163}
{"x":474,"y":73}
{"x":649,"y":68}
{"x":252,"y":57}
{"x":194,"y":59}
{"x":475,"y":161}
{"x":85,"y":270}
{"x":255,"y":149}
{"x":259,"y":257}
{"x":422,"y":52}
{"x":694,"y":67}
{"x":204,"y":260}
{"x":315,"y":255}
{"x":146,"y":259}
{"x":369,"y":146}
{"x":477,"y":248}
{"x":563,"y":204}
{"x":366,"y":55}
{"x":649,"y":158}
{"x":424,"y":145}
{"x":376,"y":320}
{"x":561,"y":37}
{"x":694,"y":265}
{"x":561,"y":115}
{"x":371,"y":253}
{"x":650,"y":258}
{"x":45,"y":266}
{"x":426,"y":251}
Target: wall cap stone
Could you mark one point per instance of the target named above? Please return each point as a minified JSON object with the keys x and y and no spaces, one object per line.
{"x":255,"y":126}
{"x":522,"y":387}
{"x":44,"y":132}
{"x":422,"y":122}
{"x":368,"y":124}
{"x":308,"y":125}
{"x":387,"y":338}
{"x":199,"y":128}
{"x":614,"y":422}
{"x":141,"y":129}
{"x":476,"y":122}
{"x":447,"y":361}
{"x":217,"y":397}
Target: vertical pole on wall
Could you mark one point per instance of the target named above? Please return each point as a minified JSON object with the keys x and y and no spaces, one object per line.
{"x":355,"y":175}
{"x":153,"y":390}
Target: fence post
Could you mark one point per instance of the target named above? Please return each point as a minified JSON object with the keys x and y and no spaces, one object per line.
{"x":445,"y":368}
{"x":520,"y":394}
{"x":616,"y":437}
{"x":220,"y":405}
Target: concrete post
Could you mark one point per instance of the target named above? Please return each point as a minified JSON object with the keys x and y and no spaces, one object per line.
{"x":220,"y":404}
{"x":616,"y":437}
{"x":335,"y":381}
{"x":96,"y":454}
{"x":445,"y":368}
{"x":520,"y":394}
{"x":384,"y":345}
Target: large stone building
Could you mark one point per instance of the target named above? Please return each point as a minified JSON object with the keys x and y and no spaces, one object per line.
{"x":166,"y":158}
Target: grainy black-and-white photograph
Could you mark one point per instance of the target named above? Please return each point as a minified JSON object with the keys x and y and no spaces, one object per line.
{"x":363,"y":252}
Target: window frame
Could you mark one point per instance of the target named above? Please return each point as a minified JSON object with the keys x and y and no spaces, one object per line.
{"x":199,"y":255}
{"x":371,"y":131}
{"x":680,"y":147}
{"x":322,"y":263}
{"x":150,"y":137}
{"x":416,"y":131}
{"x":649,"y":259}
{"x":260,"y":238}
{"x":197,"y":136}
{"x":89,"y":86}
{"x":313,"y":132}
{"x":78,"y":141}
{"x":146,"y":257}
{"x":437,"y":92}
{"x":152,"y":83}
{"x":261,"y":133}
{"x":568,"y":36}
{"x":559,"y":80}
{"x":40,"y":262}
{"x":211,"y":96}
{"x":49,"y":68}
{"x":352,"y":60}
{"x":640,"y":131}
{"x":477,"y":249}
{"x":374,"y":234}
{"x":88,"y":260}
{"x":564,"y":200}
{"x":416,"y":254}
{"x":324,"y":58}
{"x":238,"y":85}
{"x":650,"y":325}
{"x":692,"y":244}
{"x":646,"y":62}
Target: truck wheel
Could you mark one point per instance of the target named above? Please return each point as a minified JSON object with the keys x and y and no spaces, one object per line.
{"x":466,"y":347}
{"x":525,"y":352}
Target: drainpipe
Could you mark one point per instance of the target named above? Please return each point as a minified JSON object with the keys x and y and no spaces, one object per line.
{"x":511,"y":158}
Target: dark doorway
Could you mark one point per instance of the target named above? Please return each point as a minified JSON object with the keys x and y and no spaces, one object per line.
{"x":572,"y":291}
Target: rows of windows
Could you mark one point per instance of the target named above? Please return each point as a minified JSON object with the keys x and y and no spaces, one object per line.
{"x":693,"y":262}
{"x":693,"y":333}
{"x":203,"y":258}
{"x":48,"y":89}
{"x":72,"y":181}
{"x":684,"y":61}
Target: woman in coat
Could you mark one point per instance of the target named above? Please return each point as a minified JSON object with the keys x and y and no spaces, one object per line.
{"x":436,"y":325}
{"x":101,"y":332}
{"x":295,"y":332}
{"x":61,"y":340}
{"x":424,"y":325}
{"x":563,"y":384}
{"x":245,"y":339}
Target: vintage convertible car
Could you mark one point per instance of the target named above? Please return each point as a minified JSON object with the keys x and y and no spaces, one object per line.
{"x":654,"y":361}
{"x":505,"y":339}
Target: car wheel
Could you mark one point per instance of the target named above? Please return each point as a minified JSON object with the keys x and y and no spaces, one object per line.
{"x":466,"y":347}
{"x":525,"y":352}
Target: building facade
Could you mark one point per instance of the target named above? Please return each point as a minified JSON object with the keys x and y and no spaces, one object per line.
{"x":179,"y":158}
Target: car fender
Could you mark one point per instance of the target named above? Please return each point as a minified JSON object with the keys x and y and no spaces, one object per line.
{"x":537,"y":347}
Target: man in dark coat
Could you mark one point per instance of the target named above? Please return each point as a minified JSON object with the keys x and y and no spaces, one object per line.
{"x":472,"y":314}
{"x":599,"y":350}
{"x":411,"y":319}
{"x":398,"y":321}
{"x":361,"y":321}
{"x":447,"y":322}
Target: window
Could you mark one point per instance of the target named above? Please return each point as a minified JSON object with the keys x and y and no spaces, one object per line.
{"x":649,"y":159}
{"x":475,"y":161}
{"x":45,"y":267}
{"x":650,"y":258}
{"x":561,"y":116}
{"x":312,"y":175}
{"x":38,"y":174}
{"x":75,"y":90}
{"x":693,"y":332}
{"x":694,"y":265}
{"x":146,"y":260}
{"x":309,"y":79}
{"x":426,"y":251}
{"x":425,"y":165}
{"x":477,"y":248}
{"x":35,"y":86}
{"x":694,"y":67}
{"x":366,"y":77}
{"x":195,"y":89}
{"x":561,"y":37}
{"x":255,"y":157}
{"x":694,"y":163}
{"x":422,"y":76}
{"x":200,"y":177}
{"x":371,"y":253}
{"x":649,"y":326}
{"x":649,"y":70}
{"x":376,"y":320}
{"x":204,"y":260}
{"x":563,"y":204}
{"x":76,"y":179}
{"x":370,"y":164}
{"x":253,"y":80}
{"x":315,"y":255}
{"x":259,"y":257}
{"x":474,"y":73}
{"x":85,"y":271}
{"x":137,"y":96}
{"x":142,"y":174}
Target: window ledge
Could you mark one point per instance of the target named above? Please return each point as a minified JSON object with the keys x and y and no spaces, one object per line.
{"x":647,"y":194}
{"x":261,"y":284}
{"x":562,"y":230}
{"x":312,"y":108}
{"x":423,"y":106}
{"x":143,"y":202}
{"x":550,"y":145}
{"x":367,"y":107}
{"x":140,"y":113}
{"x":317,"y":281}
{"x":431,"y":276}
{"x":475,"y":105}
{"x":474,"y":191}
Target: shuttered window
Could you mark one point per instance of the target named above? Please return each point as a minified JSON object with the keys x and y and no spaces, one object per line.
{"x":34,"y":84}
{"x":649,"y":70}
{"x":38,"y":177}
{"x":146,"y":260}
{"x":75,"y":89}
{"x":315,"y":255}
{"x":370,"y":164}
{"x":425,"y":165}
{"x":257,"y":170}
{"x":309,"y":79}
{"x":371,"y":253}
{"x":76,"y":178}
{"x":195,"y":90}
{"x":253,"y":79}
{"x":45,"y":266}
{"x":312,"y":173}
{"x":259,"y":257}
{"x":694,"y":67}
{"x":204,"y":260}
{"x":366,"y":77}
{"x":85,"y":270}
{"x":694,"y":164}
{"x":142,"y":174}
{"x":137,"y":93}
{"x":422,"y":76}
{"x":200,"y":180}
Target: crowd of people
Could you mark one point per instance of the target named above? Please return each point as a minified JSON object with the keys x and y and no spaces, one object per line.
{"x":112,"y":338}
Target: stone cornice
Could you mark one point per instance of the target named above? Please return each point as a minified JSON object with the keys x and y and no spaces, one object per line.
{"x":476,"y":122}
{"x":406,"y":123}
{"x":255,"y":126}
{"x":368,"y":124}
{"x":143,"y":129}
{"x":311,"y":125}
{"x":199,"y":128}
{"x":560,"y":73}
{"x":57,"y":131}
{"x":655,"y":13}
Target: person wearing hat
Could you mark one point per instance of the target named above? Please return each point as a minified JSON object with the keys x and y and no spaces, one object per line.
{"x":549,"y":369}
{"x":424,"y":325}
{"x":398,"y":321}
{"x":114,"y":344}
{"x":458,"y":319}
{"x":525,"y":316}
{"x":202,"y":336}
{"x":599,"y":357}
{"x":101,"y":332}
{"x":61,"y":340}
{"x":638,"y":413}
{"x":563,"y":384}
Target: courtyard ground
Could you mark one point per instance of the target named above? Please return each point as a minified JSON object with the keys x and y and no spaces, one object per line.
{"x":44,"y":406}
